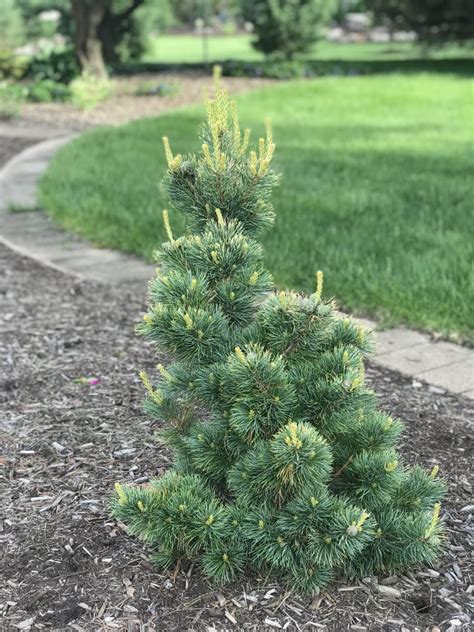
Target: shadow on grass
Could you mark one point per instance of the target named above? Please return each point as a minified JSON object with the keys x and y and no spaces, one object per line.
{"x":387,"y":219}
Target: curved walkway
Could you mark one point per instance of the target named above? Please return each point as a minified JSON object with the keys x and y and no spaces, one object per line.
{"x":30,"y":232}
{"x":443,"y":365}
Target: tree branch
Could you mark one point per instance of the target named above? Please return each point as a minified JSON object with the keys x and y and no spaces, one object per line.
{"x":343,"y":467}
{"x":135,"y":4}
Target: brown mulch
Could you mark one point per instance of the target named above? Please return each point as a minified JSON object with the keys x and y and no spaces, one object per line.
{"x":11,"y":146}
{"x":68,"y":566}
{"x":123,"y":106}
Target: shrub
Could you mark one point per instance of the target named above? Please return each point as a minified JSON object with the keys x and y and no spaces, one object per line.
{"x":58,"y":65}
{"x":48,"y":90}
{"x":153,"y":89}
{"x":294,"y":68}
{"x":11,"y":66}
{"x":271,"y":69}
{"x":282,"y":463}
{"x":11,"y":99}
{"x":87,"y":90}
{"x":288,"y":27}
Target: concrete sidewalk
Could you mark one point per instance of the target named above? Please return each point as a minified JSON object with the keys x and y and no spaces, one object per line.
{"x":443,"y":365}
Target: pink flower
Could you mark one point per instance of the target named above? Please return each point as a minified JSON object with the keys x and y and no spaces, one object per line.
{"x":90,"y":381}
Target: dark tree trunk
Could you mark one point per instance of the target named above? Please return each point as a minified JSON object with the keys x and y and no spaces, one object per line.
{"x":98,"y":31}
{"x":110,"y":35}
{"x":87,"y":17}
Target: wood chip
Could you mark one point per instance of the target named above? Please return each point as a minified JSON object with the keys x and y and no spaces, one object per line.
{"x":221,"y":600}
{"x":230,"y":617}
{"x":273,"y":623}
{"x":389,"y":591}
{"x":130,"y":590}
{"x":26,"y":624}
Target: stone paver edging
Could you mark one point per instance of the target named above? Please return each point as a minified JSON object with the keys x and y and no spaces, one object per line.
{"x":443,"y":365}
{"x":34,"y":234}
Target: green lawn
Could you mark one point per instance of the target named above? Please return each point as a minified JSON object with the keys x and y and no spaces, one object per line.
{"x":377,"y":191}
{"x":189,"y":49}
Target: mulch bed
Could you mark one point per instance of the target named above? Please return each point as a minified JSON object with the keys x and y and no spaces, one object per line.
{"x":11,"y":146}
{"x":123,"y":106}
{"x":68,"y":566}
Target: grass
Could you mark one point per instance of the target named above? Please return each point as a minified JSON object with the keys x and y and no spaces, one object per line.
{"x":175,"y":49}
{"x":377,"y":191}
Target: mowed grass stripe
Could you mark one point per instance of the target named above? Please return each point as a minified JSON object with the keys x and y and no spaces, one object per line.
{"x":377,"y":191}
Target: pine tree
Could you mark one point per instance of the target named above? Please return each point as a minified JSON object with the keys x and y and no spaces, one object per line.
{"x":282,"y":462}
{"x":285,"y":28}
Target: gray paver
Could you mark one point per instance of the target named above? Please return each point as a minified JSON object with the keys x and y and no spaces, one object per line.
{"x":365,"y":322}
{"x":33,"y":131}
{"x":420,"y":358}
{"x":33,"y":233}
{"x":398,"y":338}
{"x":118,"y":271}
{"x":457,"y":377}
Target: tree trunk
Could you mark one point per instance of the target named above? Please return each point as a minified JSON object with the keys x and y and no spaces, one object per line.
{"x":87,"y":17}
{"x":110,"y":35}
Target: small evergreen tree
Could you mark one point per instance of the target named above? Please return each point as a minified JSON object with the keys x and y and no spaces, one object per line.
{"x":287,"y":27}
{"x":282,"y":463}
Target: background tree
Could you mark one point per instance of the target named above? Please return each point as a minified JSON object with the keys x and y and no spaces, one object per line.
{"x":343,"y":7}
{"x":155,"y":17}
{"x":186,"y":12}
{"x":102,"y":31}
{"x":35,"y":27}
{"x":434,"y":21}
{"x":12,"y":27}
{"x":87,"y":17}
{"x":100,"y":27}
{"x":287,"y":27}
